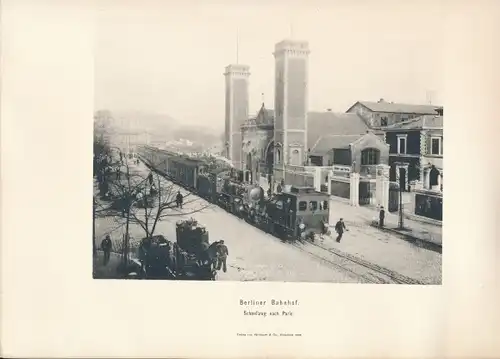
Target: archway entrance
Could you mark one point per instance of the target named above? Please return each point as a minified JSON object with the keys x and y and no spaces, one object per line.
{"x":269,"y":158}
{"x":433,"y":177}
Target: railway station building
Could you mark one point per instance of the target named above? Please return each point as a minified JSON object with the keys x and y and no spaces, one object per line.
{"x":344,"y":154}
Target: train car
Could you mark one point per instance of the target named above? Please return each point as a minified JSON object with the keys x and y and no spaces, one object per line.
{"x":281,"y":216}
{"x":302,"y":205}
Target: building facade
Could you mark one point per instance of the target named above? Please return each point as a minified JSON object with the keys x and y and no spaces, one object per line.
{"x":416,"y":152}
{"x":353,"y":154}
{"x":382,"y":113}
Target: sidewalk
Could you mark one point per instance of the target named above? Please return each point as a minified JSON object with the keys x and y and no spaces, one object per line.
{"x":108,"y":271}
{"x":414,"y":230}
{"x":111,"y":270}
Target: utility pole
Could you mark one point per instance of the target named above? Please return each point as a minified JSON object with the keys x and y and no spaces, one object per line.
{"x":129,"y":204}
{"x":237,"y":46}
{"x":94,"y":246}
{"x":401,"y":218}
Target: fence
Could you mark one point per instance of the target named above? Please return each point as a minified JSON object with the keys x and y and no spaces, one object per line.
{"x":393,"y":197}
{"x":367,"y":194}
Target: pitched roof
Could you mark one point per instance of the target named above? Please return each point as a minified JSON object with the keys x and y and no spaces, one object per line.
{"x":330,"y":127}
{"x":263,"y":117}
{"x":384,"y":106}
{"x":418,"y":123}
{"x":327,"y":142}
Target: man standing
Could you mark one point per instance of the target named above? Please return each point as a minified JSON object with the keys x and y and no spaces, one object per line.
{"x":381,"y":217}
{"x":179,"y":199}
{"x":106,"y":247}
{"x":339,"y":228}
{"x":223,"y":253}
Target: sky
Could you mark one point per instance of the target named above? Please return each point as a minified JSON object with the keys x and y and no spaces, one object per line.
{"x":168,"y":57}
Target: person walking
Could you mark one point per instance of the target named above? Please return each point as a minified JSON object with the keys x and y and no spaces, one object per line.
{"x":339,"y":228}
{"x":223,"y":253}
{"x":106,"y":246}
{"x":324,"y":228}
{"x":381,"y":217}
{"x":179,"y":199}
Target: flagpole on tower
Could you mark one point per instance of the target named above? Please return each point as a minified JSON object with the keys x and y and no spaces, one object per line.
{"x":237,"y":46}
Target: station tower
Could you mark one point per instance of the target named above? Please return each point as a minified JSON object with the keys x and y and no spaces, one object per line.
{"x":290,"y":104}
{"x":236,"y":110}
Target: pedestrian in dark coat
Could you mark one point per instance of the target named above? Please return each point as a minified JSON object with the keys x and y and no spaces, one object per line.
{"x":106,"y":246}
{"x":339,"y":228}
{"x":179,"y":199}
{"x":381,"y":217}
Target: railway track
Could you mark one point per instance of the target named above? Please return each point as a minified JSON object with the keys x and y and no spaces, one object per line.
{"x":367,"y":271}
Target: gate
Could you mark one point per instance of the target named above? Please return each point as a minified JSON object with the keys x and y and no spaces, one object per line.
{"x":393,"y":197}
{"x":365,"y":195}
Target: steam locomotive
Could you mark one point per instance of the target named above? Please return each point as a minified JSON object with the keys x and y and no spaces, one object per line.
{"x":301,"y":212}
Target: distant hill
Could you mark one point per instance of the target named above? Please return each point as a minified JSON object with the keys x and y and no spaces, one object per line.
{"x":161,"y":127}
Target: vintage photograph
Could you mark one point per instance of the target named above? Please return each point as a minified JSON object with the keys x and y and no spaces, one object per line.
{"x":247,"y":145}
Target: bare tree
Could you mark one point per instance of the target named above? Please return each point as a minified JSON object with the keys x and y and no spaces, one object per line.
{"x":135,"y":199}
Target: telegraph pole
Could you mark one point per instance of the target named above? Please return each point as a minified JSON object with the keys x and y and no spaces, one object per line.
{"x":401,"y":218}
{"x":94,"y":246}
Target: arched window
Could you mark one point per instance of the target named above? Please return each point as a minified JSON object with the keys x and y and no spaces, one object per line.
{"x":295,"y":160}
{"x":370,"y":156}
{"x":278,"y":155}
